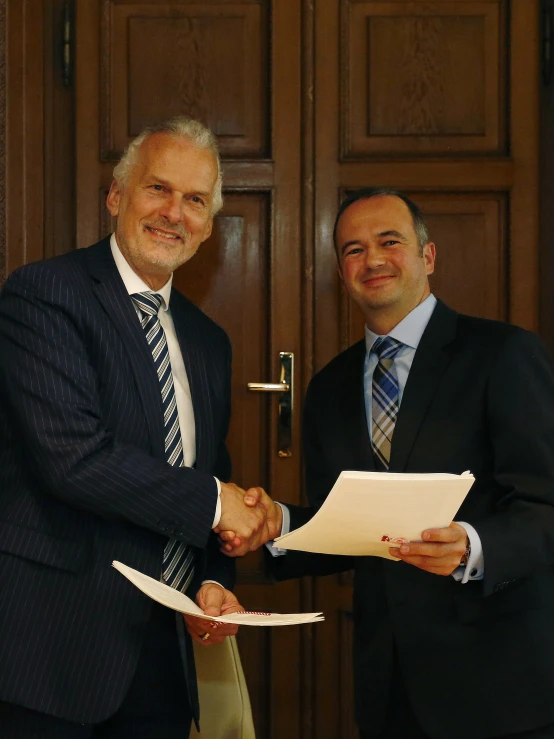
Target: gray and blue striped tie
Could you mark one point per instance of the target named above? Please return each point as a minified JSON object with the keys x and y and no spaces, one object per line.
{"x":384,"y":399}
{"x":178,"y":558}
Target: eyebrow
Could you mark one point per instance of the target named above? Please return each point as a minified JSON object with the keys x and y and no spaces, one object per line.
{"x":161,"y":181}
{"x":152,"y":176}
{"x":392,"y":232}
{"x":380,"y":235}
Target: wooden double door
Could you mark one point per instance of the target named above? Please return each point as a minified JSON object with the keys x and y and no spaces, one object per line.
{"x":308,"y":100}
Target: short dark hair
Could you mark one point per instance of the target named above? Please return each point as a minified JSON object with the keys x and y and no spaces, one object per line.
{"x":365,"y":193}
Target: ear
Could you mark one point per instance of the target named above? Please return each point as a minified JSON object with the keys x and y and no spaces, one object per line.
{"x":429,"y":254}
{"x":112,"y":201}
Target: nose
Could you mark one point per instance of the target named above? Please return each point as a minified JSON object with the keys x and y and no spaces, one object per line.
{"x":171,"y":209}
{"x":374,"y":256}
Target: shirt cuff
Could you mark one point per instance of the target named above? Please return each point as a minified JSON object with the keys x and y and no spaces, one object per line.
{"x":475,"y":568}
{"x":214,"y":582}
{"x":285,"y":528}
{"x":217,"y":508}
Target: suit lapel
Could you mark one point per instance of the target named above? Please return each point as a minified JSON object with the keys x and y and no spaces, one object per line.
{"x":193,"y":349}
{"x":351,"y":409}
{"x":430,"y":362}
{"x":113,"y":296}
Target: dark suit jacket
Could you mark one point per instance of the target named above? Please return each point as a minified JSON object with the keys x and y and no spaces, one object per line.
{"x":478,"y":658}
{"x":83,"y":478}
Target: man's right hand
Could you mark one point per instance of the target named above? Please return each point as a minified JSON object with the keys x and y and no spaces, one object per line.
{"x":233,"y":544}
{"x":247,"y":522}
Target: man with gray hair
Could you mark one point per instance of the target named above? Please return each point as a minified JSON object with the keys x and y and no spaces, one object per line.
{"x":114,"y":408}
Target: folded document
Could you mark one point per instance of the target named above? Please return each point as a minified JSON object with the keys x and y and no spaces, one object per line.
{"x":178,"y":601}
{"x":367,"y":512}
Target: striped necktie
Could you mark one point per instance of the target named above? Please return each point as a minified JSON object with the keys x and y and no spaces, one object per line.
{"x":384,"y":400}
{"x":178,"y":558}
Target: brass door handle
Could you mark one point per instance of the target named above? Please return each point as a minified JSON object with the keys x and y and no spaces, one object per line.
{"x":285,"y":388}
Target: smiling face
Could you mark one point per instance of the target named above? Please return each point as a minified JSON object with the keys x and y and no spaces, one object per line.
{"x":164,"y":209}
{"x":380,"y":262}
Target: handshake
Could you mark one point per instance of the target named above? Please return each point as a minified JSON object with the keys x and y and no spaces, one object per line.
{"x":249,"y":518}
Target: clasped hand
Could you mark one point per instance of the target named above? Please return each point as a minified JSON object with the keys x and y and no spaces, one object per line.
{"x":248,"y":519}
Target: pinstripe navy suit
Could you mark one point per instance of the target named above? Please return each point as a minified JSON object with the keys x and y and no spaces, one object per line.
{"x":83,"y":479}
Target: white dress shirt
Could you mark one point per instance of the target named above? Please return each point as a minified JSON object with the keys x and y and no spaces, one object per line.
{"x":134,"y":284}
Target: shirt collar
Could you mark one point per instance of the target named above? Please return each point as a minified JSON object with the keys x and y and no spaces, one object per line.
{"x":410,"y":329}
{"x":132,"y":282}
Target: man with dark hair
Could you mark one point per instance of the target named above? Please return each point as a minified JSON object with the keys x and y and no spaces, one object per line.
{"x":455,"y":640}
{"x":365,"y":193}
{"x":114,"y":409}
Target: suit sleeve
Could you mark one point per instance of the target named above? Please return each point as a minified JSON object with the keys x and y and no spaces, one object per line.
{"x":50,"y":394}
{"x":319,"y":481}
{"x":518,"y":536}
{"x":220,"y":568}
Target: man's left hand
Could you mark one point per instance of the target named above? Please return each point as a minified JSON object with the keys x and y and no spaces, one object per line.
{"x":440,"y":551}
{"x":214,"y":600}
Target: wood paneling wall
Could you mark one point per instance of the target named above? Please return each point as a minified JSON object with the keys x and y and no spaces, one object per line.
{"x":3,"y":102}
{"x":37,"y":158}
{"x":546,"y":200}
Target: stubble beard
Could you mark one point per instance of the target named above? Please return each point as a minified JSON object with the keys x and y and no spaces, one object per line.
{"x":161,"y":258}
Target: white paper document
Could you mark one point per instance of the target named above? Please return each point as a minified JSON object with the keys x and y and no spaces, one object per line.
{"x":178,"y":601}
{"x":367,"y":512}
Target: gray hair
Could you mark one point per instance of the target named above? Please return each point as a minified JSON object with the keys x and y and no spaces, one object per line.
{"x":180,"y":126}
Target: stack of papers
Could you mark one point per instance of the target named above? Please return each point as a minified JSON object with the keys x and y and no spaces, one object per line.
{"x":178,"y":601}
{"x":367,"y":512}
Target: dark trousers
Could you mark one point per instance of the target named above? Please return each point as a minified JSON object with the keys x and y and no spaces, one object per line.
{"x":401,"y":722}
{"x":415,"y":732}
{"x":155,"y":706}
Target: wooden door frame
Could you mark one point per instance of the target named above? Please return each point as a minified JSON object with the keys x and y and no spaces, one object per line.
{"x":36,"y":135}
{"x":513,"y":173}
{"x":37,"y":207}
{"x":276,"y":173}
{"x":546,"y":191}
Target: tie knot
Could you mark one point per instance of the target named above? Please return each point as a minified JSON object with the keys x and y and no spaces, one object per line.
{"x":147,"y":302}
{"x":386,"y":347}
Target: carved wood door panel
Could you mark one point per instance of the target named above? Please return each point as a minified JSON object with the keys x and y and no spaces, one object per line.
{"x":234,"y":64}
{"x":439,"y":99}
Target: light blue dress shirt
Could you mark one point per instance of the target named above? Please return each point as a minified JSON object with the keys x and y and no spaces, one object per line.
{"x":409,"y":332}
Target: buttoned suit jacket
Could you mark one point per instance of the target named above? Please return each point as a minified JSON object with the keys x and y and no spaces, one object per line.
{"x":477,"y":658}
{"x":83,"y":479}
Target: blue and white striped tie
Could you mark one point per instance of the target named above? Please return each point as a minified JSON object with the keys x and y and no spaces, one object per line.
{"x":178,"y":558}
{"x":384,"y":402}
